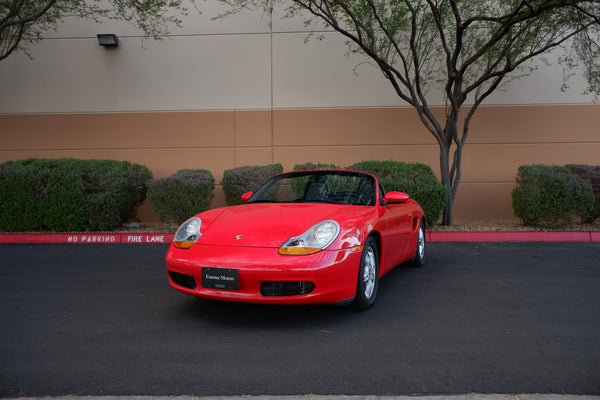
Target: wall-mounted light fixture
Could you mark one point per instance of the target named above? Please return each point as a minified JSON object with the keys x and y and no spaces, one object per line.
{"x":108,"y":39}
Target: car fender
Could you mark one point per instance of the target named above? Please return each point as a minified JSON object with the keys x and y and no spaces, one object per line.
{"x":355,"y":228}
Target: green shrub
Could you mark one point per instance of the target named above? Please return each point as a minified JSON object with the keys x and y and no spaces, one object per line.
{"x":310,"y":165}
{"x":415,"y":179}
{"x":240,"y":180}
{"x":591,"y":174}
{"x":549,"y":196}
{"x":181,"y":195}
{"x":69,"y":194}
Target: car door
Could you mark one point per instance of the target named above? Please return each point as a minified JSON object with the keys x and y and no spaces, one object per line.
{"x":396,"y":222}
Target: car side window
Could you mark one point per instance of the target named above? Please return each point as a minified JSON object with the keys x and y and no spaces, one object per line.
{"x":381,"y":194}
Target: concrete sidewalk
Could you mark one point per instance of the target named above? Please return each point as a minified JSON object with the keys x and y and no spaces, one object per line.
{"x":333,"y":397}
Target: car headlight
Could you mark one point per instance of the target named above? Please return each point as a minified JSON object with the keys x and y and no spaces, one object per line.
{"x":313,"y":240}
{"x":188,"y":233}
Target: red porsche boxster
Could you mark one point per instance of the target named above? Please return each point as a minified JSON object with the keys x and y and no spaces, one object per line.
{"x":305,"y":237}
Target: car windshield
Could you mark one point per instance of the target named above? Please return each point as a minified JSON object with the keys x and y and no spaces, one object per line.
{"x":324,"y":186}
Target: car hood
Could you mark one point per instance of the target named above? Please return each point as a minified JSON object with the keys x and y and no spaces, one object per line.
{"x":267,"y":224}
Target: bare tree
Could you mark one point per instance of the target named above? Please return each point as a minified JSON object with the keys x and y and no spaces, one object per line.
{"x":468,"y":47}
{"x":25,"y":21}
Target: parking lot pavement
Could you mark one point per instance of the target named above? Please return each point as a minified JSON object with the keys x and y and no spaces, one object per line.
{"x":478,"y":318}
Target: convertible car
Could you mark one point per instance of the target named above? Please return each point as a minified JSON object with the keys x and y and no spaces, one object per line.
{"x":305,"y":237}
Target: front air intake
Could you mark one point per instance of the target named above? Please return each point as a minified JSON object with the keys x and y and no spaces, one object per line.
{"x":286,"y":288}
{"x":184,"y":280}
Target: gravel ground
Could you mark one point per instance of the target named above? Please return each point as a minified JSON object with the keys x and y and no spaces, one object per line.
{"x":494,"y":225}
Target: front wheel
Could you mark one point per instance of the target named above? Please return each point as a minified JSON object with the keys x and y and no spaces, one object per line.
{"x":368,"y":276}
{"x":418,"y":260}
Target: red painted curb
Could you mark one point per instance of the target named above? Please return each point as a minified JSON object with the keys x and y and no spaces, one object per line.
{"x":87,"y":238}
{"x":524,"y":236}
{"x":140,"y":238}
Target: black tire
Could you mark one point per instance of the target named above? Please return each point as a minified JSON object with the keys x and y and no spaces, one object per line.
{"x":368,"y":276}
{"x":418,"y":259}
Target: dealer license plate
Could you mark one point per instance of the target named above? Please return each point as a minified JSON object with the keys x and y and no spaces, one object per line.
{"x":220,"y":278}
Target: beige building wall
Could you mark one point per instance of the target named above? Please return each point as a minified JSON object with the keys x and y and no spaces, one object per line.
{"x":503,"y":138}
{"x":244,"y":91}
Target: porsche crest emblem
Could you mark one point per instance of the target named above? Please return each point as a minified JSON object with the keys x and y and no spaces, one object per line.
{"x":238,"y":237}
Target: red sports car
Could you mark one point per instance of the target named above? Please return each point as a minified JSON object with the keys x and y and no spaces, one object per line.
{"x":305,"y":237}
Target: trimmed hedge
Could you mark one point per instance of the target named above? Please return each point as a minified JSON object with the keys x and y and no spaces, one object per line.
{"x":591,"y":174}
{"x":549,"y":196}
{"x":310,"y":165}
{"x":69,"y":194}
{"x":415,"y":179}
{"x":181,"y":195}
{"x":237,"y":181}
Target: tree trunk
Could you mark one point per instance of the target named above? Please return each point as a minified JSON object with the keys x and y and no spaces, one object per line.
{"x":447,"y":219}
{"x":450,"y":169}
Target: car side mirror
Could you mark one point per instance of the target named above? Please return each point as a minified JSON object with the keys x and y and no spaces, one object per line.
{"x":246,"y":196}
{"x":396,"y":197}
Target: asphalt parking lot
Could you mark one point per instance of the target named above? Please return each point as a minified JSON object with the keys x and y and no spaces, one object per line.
{"x":101,"y":319}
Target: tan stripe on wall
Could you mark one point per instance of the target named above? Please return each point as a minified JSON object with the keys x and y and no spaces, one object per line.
{"x":500,"y":140}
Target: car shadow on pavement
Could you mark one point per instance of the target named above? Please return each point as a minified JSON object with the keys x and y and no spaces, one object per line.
{"x":247,"y":315}
{"x":392,"y":289}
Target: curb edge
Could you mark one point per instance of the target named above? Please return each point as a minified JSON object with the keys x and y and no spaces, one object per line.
{"x":155,"y":238}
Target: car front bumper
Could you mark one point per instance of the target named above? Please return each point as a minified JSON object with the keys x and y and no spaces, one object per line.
{"x":333,"y":273}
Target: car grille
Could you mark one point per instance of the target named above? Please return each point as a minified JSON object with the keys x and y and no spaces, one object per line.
{"x":187,"y":281}
{"x":286,"y":288}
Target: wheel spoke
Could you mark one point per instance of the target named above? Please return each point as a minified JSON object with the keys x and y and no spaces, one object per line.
{"x":369,"y":273}
{"x":421,"y":243}
{"x":366,"y":285}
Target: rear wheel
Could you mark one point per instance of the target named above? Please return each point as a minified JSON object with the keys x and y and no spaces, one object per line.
{"x":368,"y":276}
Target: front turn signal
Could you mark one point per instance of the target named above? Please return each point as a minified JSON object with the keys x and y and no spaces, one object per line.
{"x":298,"y":251}
{"x":183,"y":244}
